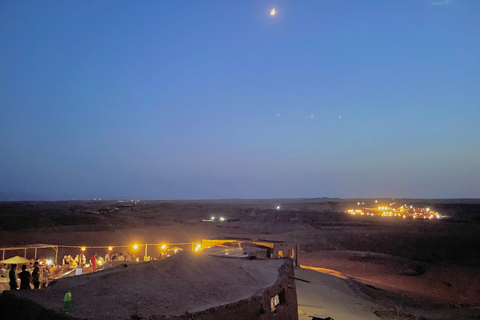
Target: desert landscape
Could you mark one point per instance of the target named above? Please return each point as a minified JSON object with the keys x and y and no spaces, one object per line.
{"x":377,"y":267}
{"x":334,"y":140}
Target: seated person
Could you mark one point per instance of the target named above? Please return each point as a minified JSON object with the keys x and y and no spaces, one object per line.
{"x":3,"y":271}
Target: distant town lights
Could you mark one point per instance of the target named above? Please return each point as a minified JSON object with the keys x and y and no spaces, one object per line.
{"x":403,"y":211}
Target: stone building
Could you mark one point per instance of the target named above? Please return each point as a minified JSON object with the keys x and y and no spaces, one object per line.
{"x":252,"y":247}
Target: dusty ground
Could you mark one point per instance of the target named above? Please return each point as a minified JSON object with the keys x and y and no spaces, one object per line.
{"x":342,"y":298}
{"x":440,"y":281}
{"x":435,"y":262}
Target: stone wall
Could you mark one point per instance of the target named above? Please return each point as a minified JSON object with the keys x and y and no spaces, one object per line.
{"x":257,"y":307}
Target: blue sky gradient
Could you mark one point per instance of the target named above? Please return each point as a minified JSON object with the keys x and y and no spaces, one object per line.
{"x":218,"y":99}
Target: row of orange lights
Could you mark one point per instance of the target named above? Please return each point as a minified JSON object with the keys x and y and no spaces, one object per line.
{"x":135,"y":246}
{"x":109,"y":248}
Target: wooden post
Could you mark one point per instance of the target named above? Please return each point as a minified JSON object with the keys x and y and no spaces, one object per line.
{"x":35,"y":254}
{"x":25,"y":253}
{"x":297,"y":252}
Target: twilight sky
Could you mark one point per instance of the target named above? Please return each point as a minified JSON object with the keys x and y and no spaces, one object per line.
{"x":218,"y":99}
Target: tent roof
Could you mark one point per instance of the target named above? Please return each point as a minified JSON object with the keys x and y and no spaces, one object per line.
{"x":174,"y":248}
{"x":28,"y":246}
{"x":15,"y":260}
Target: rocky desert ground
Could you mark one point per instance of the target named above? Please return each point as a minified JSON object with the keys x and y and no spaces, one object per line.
{"x":400,"y":268}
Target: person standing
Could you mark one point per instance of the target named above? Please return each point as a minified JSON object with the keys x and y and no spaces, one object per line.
{"x":25,"y":278}
{"x":3,"y":271}
{"x":93,"y":261}
{"x":13,"y":278}
{"x":36,"y":276}
{"x":107,"y":257}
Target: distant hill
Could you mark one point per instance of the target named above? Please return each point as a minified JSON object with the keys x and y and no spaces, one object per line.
{"x":21,"y":196}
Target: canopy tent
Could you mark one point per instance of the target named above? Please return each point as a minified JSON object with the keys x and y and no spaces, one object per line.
{"x":31,"y":246}
{"x":15,"y":260}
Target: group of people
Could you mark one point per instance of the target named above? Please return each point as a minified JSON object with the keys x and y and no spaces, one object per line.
{"x":79,"y":261}
{"x":119,"y":257}
{"x":25,"y":277}
{"x":96,"y":260}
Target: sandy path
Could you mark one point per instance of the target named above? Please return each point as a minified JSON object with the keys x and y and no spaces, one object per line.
{"x":328,"y":295}
{"x":441,"y":283}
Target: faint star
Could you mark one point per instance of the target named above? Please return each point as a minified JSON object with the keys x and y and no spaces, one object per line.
{"x":311,"y":117}
{"x":278,"y":115}
{"x":340,"y":116}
